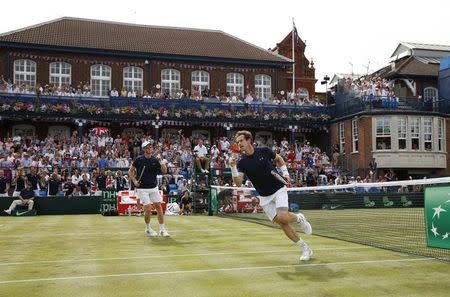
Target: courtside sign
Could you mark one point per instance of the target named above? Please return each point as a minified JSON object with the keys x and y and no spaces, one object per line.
{"x":437,"y":216}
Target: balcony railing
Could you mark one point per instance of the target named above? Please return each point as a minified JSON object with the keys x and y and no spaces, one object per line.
{"x":132,"y":109}
{"x":346,"y":106}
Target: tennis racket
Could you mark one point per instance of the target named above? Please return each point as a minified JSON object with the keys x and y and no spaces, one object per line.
{"x":140,"y":176}
{"x":279,"y":177}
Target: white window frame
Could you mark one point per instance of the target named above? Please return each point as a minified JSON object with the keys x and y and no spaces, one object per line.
{"x":200,"y":80}
{"x":383,"y":131}
{"x":440,"y":135}
{"x":60,"y":73}
{"x":427,"y":128}
{"x":342,"y":138}
{"x":355,"y":143}
{"x":23,"y":130}
{"x":414,"y":130}
{"x":430,"y":94}
{"x":263,"y":86}
{"x":402,"y":132}
{"x":100,"y":80}
{"x":25,"y":72}
{"x":133,"y":79}
{"x":59,"y":131}
{"x":170,"y":81}
{"x":235,"y":84}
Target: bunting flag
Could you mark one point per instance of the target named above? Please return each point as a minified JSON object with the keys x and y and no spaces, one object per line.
{"x":140,"y":64}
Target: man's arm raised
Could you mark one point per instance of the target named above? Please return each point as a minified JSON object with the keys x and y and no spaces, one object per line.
{"x":238,"y":177}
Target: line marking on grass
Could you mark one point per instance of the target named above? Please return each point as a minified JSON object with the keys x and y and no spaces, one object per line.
{"x":22,"y":236}
{"x":179,"y":255}
{"x":209,"y":270}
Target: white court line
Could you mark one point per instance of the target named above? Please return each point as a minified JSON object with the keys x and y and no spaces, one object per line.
{"x":31,"y":280}
{"x":177,"y":255}
{"x":262,"y":230}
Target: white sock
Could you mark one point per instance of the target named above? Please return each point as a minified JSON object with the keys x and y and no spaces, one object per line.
{"x":148,"y":226}
{"x":301,"y":244}
{"x":162,"y":227}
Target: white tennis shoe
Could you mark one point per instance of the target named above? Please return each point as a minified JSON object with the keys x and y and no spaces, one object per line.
{"x":151,"y":232}
{"x":304,"y":224}
{"x":164,"y":233}
{"x":306,"y":253}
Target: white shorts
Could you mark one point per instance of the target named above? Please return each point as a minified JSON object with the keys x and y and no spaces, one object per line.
{"x":147,"y":196}
{"x":271,"y":203}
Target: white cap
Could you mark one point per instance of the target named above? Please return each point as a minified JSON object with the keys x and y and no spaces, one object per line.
{"x":145,"y":143}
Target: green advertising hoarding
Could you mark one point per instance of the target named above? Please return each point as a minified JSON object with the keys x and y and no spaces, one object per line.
{"x":437,"y":216}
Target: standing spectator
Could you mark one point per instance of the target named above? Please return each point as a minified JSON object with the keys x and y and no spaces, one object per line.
{"x":110,"y":180}
{"x":121,"y":182}
{"x":54,"y":184}
{"x":69,"y":188}
{"x":114,"y":93}
{"x":19,"y":182}
{"x":43,"y":183}
{"x":4,"y":184}
{"x":101,"y":180}
{"x":373,"y":168}
{"x":76,"y":176}
{"x":136,"y":145}
{"x":84,"y":185}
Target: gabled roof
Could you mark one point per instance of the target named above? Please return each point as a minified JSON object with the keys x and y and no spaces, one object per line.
{"x":405,"y":49}
{"x":75,"y":33}
{"x":413,"y":66}
{"x":433,"y":47}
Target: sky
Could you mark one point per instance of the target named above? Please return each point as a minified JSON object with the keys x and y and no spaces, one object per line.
{"x":345,"y":36}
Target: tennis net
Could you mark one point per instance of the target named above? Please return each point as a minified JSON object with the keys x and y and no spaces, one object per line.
{"x":388,"y":215}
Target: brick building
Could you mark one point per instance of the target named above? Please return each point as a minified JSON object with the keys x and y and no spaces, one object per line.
{"x":115,"y":55}
{"x":154,"y":60}
{"x":412,"y":137}
{"x":305,"y":73}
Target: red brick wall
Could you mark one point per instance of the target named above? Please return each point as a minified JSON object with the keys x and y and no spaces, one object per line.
{"x":304,"y":76}
{"x":152,"y":71}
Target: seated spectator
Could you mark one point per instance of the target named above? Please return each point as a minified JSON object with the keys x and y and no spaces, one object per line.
{"x":26,"y":198}
{"x":201,"y":160}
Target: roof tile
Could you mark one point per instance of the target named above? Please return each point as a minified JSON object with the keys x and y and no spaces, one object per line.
{"x":94,"y":34}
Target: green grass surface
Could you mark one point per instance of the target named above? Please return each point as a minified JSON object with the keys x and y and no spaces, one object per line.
{"x":397,"y":229}
{"x":91,"y":255}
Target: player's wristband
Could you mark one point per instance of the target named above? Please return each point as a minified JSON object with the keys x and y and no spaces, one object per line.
{"x":284,"y":170}
{"x":234,"y":171}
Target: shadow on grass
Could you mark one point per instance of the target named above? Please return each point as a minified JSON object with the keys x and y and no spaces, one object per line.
{"x":313,"y":273}
{"x":166,"y":241}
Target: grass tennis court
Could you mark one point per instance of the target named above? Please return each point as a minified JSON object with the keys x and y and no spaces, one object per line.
{"x":91,"y":255}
